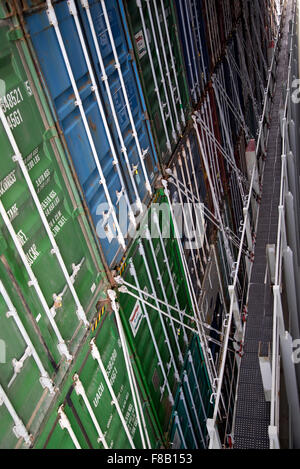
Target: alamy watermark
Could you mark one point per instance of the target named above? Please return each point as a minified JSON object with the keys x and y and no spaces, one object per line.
{"x":158,"y":221}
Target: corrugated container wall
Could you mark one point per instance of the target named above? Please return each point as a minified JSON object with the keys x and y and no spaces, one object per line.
{"x":159,"y":58}
{"x":85,"y":59}
{"x":155,"y":307}
{"x":95,"y":409}
{"x":51,"y":276}
{"x":192,"y":406}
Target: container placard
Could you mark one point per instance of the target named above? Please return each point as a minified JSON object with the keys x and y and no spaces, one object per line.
{"x":136,"y":318}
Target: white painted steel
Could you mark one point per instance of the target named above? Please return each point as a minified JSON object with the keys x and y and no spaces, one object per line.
{"x":19,"y":429}
{"x":141,"y":152}
{"x":94,"y":87}
{"x":96,"y":356}
{"x":54,"y":22}
{"x":62,"y":347}
{"x":65,"y":425}
{"x":161,"y":106}
{"x":55,"y":249}
{"x":45,"y":380}
{"x":130,"y":373}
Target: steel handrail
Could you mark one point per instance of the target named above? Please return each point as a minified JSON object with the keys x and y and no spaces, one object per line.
{"x":242,"y":239}
{"x":279,"y":250}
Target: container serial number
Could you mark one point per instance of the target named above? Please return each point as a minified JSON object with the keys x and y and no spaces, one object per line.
{"x":168,"y":458}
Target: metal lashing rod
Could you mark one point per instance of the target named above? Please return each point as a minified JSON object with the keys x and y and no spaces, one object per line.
{"x":96,"y":356}
{"x":188,"y":144}
{"x":160,"y":361}
{"x":166,"y":261}
{"x":154,"y":293}
{"x":62,"y":347}
{"x":196,"y":311}
{"x":125,"y":94}
{"x":132,"y":381}
{"x":55,"y":249}
{"x":54,"y":22}
{"x":187,"y":223}
{"x":124,"y":289}
{"x":194,"y":59}
{"x":175,"y":334}
{"x":177,"y":422}
{"x":45,"y":380}
{"x":94,"y":88}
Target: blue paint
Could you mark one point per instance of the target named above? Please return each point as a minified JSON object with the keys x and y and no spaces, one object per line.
{"x":55,"y":76}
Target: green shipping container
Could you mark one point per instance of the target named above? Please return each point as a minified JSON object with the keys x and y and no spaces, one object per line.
{"x":152,"y":271}
{"x":159,"y":57}
{"x":84,"y":412}
{"x":51,"y":275}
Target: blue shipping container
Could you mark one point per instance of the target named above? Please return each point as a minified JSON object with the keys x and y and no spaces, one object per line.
{"x":84,"y":54}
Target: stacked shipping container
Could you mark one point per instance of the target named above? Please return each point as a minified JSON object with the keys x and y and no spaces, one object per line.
{"x":129,"y":97}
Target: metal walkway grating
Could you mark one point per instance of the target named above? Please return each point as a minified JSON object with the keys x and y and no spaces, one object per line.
{"x":252,"y":413}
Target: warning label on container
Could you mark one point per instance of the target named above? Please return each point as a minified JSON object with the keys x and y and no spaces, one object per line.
{"x":136,"y":318}
{"x":140,"y":44}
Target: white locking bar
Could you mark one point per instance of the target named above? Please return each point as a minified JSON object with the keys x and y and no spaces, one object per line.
{"x":187,"y":223}
{"x":190,"y":219}
{"x":119,"y":69}
{"x":160,"y":361}
{"x":80,"y":391}
{"x":65,"y":424}
{"x":154,"y":293}
{"x":166,"y":67}
{"x":19,"y":429}
{"x":54,"y":22}
{"x":45,"y":380}
{"x":19,"y":159}
{"x":161,"y":107}
{"x":188,"y":144}
{"x":62,"y":347}
{"x":130,"y":373}
{"x":178,"y":424}
{"x":96,"y":356}
{"x":194,"y":409}
{"x":175,"y":334}
{"x":94,"y":87}
{"x":191,"y":361}
{"x":104,"y":77}
{"x":173,"y":66}
{"x":166,"y":261}
{"x":187,"y":413}
{"x":196,"y":312}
